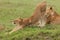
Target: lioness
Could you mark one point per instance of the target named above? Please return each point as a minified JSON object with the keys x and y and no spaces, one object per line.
{"x":52,"y":16}
{"x":36,"y":18}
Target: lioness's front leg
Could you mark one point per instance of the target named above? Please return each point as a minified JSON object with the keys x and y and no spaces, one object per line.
{"x":41,"y":23}
{"x":16,"y":28}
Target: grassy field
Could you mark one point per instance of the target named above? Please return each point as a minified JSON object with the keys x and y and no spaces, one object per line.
{"x":11,"y":9}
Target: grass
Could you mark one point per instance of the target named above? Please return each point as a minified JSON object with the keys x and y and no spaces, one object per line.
{"x":11,"y":9}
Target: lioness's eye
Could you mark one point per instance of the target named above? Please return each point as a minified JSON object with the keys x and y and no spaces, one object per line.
{"x":47,"y":14}
{"x":14,"y":23}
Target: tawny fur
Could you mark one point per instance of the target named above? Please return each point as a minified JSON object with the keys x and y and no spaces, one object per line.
{"x":52,"y":16}
{"x":34,"y":19}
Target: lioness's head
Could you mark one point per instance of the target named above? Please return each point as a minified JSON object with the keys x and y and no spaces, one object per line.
{"x":18,"y":21}
{"x":49,"y":11}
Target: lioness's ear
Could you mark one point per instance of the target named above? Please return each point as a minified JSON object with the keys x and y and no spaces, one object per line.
{"x":21,"y":19}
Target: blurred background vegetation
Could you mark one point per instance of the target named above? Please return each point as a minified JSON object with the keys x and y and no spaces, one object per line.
{"x":11,"y":9}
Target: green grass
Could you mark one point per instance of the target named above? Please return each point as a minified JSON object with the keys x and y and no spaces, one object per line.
{"x":11,"y":9}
